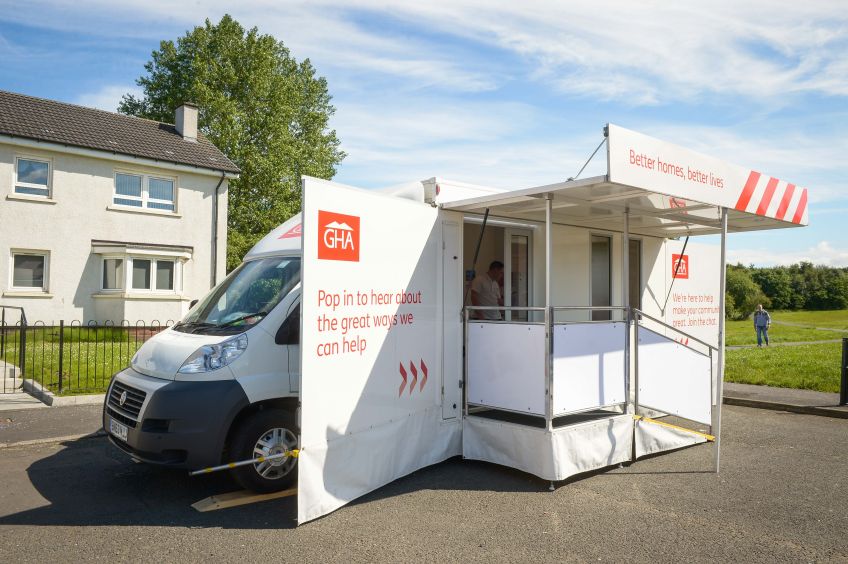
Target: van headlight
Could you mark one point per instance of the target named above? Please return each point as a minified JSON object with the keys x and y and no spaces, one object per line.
{"x":212,"y":357}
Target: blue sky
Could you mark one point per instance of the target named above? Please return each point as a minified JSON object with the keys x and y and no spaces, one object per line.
{"x":512,"y":94}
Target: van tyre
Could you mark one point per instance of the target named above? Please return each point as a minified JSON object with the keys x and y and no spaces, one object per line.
{"x":266,"y":432}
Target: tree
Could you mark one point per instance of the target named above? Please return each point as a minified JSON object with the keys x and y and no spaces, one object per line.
{"x":268,"y":113}
{"x":776,"y":283}
{"x":744,"y":292}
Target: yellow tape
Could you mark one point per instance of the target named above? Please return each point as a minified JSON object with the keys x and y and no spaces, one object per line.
{"x":710,"y":438}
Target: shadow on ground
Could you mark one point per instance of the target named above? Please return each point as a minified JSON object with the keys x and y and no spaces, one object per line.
{"x":88,"y":482}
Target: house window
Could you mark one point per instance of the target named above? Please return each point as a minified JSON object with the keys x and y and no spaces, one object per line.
{"x":32,"y":177}
{"x":29,"y":271}
{"x":143,"y":191}
{"x":113,"y":274}
{"x":164,"y":275}
{"x":128,"y":190}
{"x":160,"y":194}
{"x":141,"y":274}
{"x":153,"y":274}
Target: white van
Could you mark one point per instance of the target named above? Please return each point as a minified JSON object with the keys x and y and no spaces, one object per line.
{"x":222,"y":384}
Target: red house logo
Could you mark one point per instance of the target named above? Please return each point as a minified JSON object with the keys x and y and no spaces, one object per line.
{"x":680,"y":266}
{"x":338,"y":236}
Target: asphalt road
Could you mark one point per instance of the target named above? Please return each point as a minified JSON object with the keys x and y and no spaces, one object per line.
{"x":782,"y":495}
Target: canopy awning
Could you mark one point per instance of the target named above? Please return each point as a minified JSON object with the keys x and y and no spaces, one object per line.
{"x":600,"y":204}
{"x":666,"y":190}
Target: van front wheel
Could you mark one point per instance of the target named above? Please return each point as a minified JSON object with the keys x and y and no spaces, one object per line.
{"x":265,"y":433}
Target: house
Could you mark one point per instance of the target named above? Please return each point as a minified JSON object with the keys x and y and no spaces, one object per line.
{"x":106,"y":217}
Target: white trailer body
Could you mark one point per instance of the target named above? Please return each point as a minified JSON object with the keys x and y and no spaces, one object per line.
{"x":562,"y":384}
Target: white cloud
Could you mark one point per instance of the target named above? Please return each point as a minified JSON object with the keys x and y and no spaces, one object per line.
{"x":413,"y":82}
{"x":391,"y":140}
{"x":106,"y":97}
{"x":822,"y":253}
{"x":634,"y":52}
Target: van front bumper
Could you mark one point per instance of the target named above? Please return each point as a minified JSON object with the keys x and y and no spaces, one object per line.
{"x":180,"y":424}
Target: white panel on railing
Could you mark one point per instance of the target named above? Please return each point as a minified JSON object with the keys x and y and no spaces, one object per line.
{"x":588,"y":366}
{"x":506,"y":366}
{"x":674,"y":378}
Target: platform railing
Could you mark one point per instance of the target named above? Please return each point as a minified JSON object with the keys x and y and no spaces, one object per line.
{"x":530,"y":367}
{"x":555,"y":368}
{"x":668,"y":364}
{"x":492,"y":375}
{"x":589,"y":361}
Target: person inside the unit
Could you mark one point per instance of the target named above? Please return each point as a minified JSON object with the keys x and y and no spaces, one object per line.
{"x":762,"y":321}
{"x":486,"y":291}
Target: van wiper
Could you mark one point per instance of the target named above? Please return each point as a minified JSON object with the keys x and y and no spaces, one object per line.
{"x":259,"y":314}
{"x":193,"y":325}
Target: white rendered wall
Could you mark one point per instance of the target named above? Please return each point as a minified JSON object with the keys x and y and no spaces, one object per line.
{"x":82,"y":190}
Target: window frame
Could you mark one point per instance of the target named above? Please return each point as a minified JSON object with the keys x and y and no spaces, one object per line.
{"x":151,"y":278}
{"x":45,"y":283}
{"x":601,"y":314}
{"x":145,"y":200}
{"x":16,"y":183}
{"x":122,"y":278}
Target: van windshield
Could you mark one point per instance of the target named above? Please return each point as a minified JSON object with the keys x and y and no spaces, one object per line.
{"x":247,"y":295}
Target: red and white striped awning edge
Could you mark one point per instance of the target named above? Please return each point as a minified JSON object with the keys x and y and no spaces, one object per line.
{"x":772,"y":197}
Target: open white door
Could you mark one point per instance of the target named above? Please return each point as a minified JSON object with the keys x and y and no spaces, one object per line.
{"x":371,"y":345}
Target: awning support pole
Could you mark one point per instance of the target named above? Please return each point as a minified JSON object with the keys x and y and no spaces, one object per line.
{"x":716,"y":426}
{"x":549,"y":323}
{"x":625,"y":300}
{"x":476,"y":255}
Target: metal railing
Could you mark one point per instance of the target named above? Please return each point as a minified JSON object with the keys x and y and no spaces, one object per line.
{"x":70,"y":357}
{"x":631,"y":317}
{"x":12,"y":335}
{"x":686,"y":340}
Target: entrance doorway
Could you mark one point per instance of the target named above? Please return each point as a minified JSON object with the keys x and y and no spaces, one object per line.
{"x":509,"y":245}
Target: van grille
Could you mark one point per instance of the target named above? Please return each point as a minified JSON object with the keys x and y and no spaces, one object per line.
{"x":133,"y":403}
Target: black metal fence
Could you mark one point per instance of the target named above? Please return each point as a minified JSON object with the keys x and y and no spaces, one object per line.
{"x":68,"y":357}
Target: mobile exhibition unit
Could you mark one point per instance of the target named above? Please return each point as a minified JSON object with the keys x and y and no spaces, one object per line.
{"x":612,"y":318}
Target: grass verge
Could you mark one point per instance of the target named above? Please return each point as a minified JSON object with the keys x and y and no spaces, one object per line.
{"x":89,"y":356}
{"x":805,"y":367}
{"x":742,"y":333}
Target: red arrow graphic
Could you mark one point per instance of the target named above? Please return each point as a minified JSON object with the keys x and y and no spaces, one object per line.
{"x":424,"y":372}
{"x":414,"y":376}
{"x":402,"y":375}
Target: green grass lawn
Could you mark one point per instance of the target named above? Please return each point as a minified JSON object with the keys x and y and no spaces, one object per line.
{"x":808,"y":367}
{"x":834,"y":319}
{"x":90,"y":357}
{"x":742,"y":333}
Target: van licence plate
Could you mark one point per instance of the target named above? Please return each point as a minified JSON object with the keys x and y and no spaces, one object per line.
{"x":118,"y":430}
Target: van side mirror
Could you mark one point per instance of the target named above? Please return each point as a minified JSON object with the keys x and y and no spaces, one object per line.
{"x":192,"y":304}
{"x":289,"y":331}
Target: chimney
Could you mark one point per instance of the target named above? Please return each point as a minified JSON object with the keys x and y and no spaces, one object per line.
{"x":186,"y":121}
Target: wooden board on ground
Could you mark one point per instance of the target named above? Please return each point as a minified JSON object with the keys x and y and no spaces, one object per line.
{"x":233,"y":499}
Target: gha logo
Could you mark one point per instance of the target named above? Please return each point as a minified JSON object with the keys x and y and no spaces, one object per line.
{"x":679,"y":266}
{"x":339,"y":236}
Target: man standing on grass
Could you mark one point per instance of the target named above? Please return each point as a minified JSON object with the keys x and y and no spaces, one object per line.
{"x":762,"y":321}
